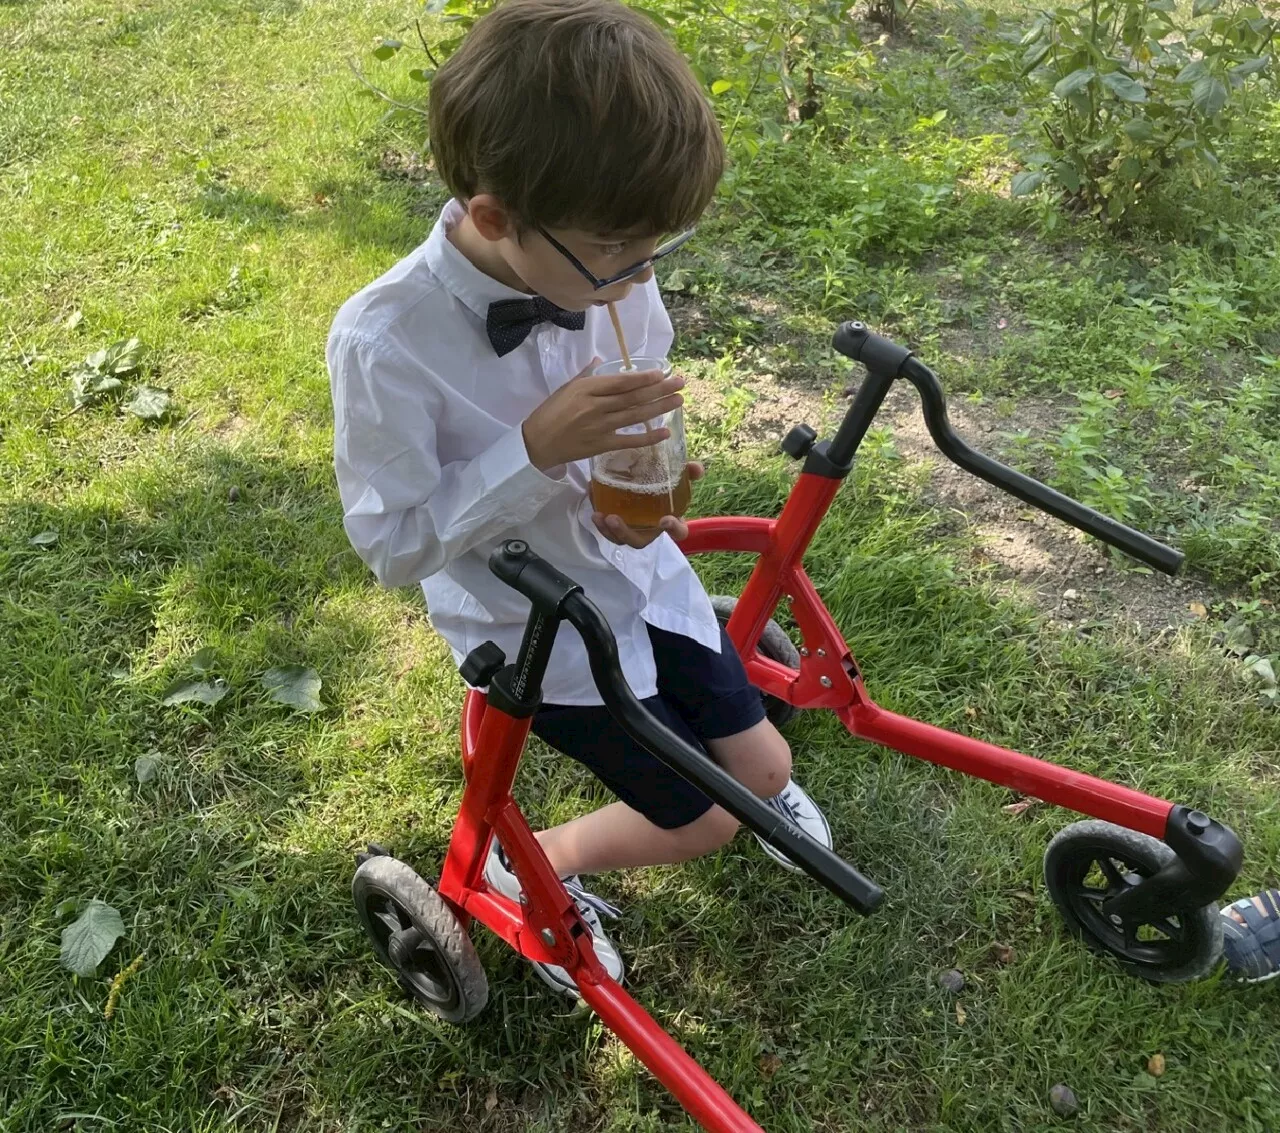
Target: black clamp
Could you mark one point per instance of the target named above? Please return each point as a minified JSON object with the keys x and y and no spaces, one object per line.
{"x":797,"y":443}
{"x":482,"y":664}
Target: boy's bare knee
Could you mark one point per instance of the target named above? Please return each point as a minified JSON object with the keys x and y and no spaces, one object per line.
{"x":714,"y":829}
{"x":759,"y":758}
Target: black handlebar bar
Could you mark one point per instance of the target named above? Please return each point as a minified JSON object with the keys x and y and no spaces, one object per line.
{"x":555,"y":596}
{"x":886,"y":360}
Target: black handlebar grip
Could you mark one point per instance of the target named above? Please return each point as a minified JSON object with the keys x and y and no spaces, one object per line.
{"x":1131,"y":542}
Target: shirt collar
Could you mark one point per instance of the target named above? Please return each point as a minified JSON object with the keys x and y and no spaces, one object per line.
{"x":457,"y":273}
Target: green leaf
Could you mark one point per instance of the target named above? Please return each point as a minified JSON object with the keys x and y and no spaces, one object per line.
{"x":1068,"y":176}
{"x":1239,"y":639}
{"x":771,"y":130}
{"x":387,"y":48}
{"x":1139,"y":129}
{"x":44,"y":539}
{"x":1075,"y":81}
{"x":1260,"y":668}
{"x":1124,"y":88}
{"x":123,"y":357}
{"x":422,"y":74}
{"x":89,"y":386}
{"x":205,"y":692}
{"x":1192,"y":71}
{"x":1250,"y":67}
{"x":677,"y":280}
{"x":145,"y":768}
{"x":67,"y":907}
{"x":205,"y":659}
{"x":1033,"y":57}
{"x":74,"y":319}
{"x":294,"y":685}
{"x":87,"y":940}
{"x":149,"y":403}
{"x":1026,"y":182}
{"x":720,"y":86}
{"x":1208,"y":95}
{"x":1204,"y":7}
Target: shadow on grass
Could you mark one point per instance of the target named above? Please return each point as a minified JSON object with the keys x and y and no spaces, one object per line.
{"x":260,"y":996}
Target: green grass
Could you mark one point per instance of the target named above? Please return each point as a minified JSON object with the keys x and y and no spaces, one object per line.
{"x":207,"y":178}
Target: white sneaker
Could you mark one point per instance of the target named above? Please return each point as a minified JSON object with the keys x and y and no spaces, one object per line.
{"x":799,"y":809}
{"x":502,"y":880}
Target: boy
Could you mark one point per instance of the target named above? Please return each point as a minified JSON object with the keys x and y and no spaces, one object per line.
{"x":573,"y":138}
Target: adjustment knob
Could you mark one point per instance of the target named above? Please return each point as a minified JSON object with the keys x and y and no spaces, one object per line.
{"x":482,"y":664}
{"x":797,"y":443}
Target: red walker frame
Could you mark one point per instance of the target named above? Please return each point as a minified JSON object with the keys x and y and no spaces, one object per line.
{"x":547,"y":927}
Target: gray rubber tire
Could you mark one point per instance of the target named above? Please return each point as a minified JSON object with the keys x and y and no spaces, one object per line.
{"x":1069,"y":861}
{"x":774,"y":644}
{"x":445,"y":975}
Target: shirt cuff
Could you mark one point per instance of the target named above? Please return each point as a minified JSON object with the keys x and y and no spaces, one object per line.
{"x":509,"y":478}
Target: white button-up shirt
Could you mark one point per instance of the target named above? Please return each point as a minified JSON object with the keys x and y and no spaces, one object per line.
{"x":433,"y":471}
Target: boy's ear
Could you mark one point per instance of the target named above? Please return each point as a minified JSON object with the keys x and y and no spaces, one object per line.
{"x":490,"y":216}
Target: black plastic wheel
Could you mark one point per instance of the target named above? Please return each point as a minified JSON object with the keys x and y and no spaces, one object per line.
{"x":774,"y":644}
{"x":1090,"y":861}
{"x":415,"y":934}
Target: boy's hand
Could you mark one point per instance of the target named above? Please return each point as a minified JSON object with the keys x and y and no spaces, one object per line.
{"x":613,"y":529}
{"x":581,"y":418}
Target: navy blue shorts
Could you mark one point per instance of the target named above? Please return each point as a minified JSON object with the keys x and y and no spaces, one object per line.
{"x":701,"y":696}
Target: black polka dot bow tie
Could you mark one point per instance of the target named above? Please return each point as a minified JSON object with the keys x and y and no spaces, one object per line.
{"x":510,"y":321}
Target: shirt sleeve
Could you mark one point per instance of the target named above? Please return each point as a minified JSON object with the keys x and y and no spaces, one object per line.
{"x":658,"y":334}
{"x":406,"y":515}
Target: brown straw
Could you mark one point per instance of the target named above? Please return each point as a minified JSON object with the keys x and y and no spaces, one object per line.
{"x":617,"y":329}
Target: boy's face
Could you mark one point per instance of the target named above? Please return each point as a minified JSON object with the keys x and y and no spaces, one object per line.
{"x":550,"y":273}
{"x":545,"y":270}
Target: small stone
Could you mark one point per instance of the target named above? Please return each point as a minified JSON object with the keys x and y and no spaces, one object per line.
{"x":952,"y":981}
{"x":1063,"y":1100}
{"x":1070,"y":595}
{"x":1155,"y":1065}
{"x":233,"y":494}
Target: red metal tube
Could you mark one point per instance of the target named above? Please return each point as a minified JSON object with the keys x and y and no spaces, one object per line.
{"x":1022,"y":773}
{"x":704,"y":1099}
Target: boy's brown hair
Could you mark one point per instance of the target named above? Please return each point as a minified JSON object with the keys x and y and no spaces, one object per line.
{"x":576,"y":113}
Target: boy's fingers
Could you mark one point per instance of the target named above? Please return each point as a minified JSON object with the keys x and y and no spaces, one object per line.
{"x":639,"y":414}
{"x":676,"y":528}
{"x":613,"y":528}
{"x":638,"y":440}
{"x":696,"y":469}
{"x":651,"y":386}
{"x":586,"y":371}
{"x":610,"y":385}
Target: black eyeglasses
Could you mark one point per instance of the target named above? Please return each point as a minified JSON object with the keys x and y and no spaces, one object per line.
{"x":663,"y":249}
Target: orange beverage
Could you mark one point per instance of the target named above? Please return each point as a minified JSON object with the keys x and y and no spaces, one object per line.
{"x":640,"y":503}
{"x":643,"y":485}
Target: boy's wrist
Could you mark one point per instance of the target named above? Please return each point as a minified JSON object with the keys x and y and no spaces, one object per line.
{"x":533,"y":448}
{"x":544,"y":462}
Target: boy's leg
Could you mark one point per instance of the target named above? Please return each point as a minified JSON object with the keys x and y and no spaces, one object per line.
{"x":618,"y":837}
{"x":712,"y":694}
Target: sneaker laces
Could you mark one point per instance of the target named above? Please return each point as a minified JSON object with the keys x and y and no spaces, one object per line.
{"x":573,"y":885}
{"x":783,"y":805}
{"x":596,"y":904}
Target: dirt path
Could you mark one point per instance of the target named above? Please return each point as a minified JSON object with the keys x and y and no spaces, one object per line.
{"x":1070,"y":580}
